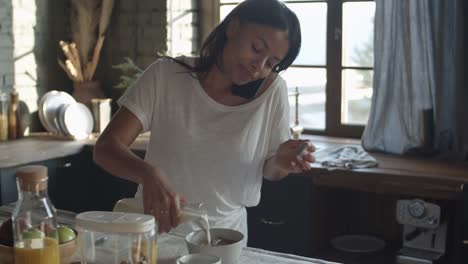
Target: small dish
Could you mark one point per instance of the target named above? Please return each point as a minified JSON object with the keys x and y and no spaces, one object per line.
{"x":60,"y":117}
{"x":48,"y":106}
{"x":40,"y":111}
{"x":358,"y":243}
{"x":198,"y":259}
{"x":77,"y":120}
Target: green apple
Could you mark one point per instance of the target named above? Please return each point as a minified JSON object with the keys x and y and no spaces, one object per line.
{"x":65,"y":234}
{"x":32,"y":233}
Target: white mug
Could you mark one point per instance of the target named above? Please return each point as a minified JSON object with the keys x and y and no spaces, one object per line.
{"x":198,"y":259}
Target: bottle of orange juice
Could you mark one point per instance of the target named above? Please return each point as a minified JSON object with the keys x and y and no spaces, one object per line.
{"x":34,"y":219}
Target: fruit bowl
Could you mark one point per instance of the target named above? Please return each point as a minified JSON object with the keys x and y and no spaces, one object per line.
{"x":67,"y":250}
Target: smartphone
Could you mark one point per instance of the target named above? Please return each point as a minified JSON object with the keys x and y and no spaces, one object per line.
{"x":248,"y":90}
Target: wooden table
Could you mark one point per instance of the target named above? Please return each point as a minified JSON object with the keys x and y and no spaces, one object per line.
{"x":424,"y":177}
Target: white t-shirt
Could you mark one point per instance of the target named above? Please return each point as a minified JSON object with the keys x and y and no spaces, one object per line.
{"x":211,"y":152}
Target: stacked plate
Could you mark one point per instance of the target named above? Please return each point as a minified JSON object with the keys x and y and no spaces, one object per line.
{"x":60,"y":114}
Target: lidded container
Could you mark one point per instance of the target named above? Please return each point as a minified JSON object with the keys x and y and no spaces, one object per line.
{"x":116,"y":238}
{"x":34,"y":219}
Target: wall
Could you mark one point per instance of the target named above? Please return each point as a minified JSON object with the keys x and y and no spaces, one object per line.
{"x":137,"y":30}
{"x":30,"y":32}
{"x":6,"y":41}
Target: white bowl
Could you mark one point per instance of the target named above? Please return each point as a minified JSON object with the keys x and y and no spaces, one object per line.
{"x":228,"y":252}
{"x":199,"y":259}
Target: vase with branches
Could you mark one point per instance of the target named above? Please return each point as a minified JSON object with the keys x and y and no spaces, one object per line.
{"x":89,"y":21}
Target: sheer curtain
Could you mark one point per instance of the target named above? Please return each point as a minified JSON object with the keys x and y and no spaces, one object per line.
{"x":416,"y":105}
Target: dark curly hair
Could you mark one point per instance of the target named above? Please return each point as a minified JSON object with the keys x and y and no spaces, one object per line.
{"x":274,"y":13}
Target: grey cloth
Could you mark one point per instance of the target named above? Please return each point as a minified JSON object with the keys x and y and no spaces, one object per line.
{"x":416,"y":102}
{"x":348,"y":156}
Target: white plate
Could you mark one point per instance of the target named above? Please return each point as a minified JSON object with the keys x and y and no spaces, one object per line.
{"x":61,"y":116}
{"x":51,"y":102}
{"x":358,"y":243}
{"x":77,"y":120}
{"x":41,"y":114}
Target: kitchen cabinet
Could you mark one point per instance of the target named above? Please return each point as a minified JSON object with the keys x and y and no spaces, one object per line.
{"x":76,"y":183}
{"x":81,"y":185}
{"x":8,"y":189}
{"x":282,"y":220}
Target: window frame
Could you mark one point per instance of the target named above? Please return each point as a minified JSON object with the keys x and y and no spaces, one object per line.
{"x":210,"y":15}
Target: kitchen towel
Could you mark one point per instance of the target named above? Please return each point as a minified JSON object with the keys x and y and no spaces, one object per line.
{"x":347,"y":156}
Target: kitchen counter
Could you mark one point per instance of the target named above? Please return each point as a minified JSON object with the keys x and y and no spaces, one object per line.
{"x":34,"y":149}
{"x":42,"y":146}
{"x":395,"y":174}
{"x":171,"y":246}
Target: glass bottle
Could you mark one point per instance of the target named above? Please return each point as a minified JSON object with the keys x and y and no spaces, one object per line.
{"x":12,"y":117}
{"x":34,"y":219}
{"x":3,"y":117}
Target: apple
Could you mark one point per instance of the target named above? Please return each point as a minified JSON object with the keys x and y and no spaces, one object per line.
{"x":65,"y":234}
{"x":32,"y":233}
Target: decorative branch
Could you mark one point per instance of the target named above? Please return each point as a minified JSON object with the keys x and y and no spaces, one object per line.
{"x":84,"y":21}
{"x":88,"y":17}
{"x":76,"y":55}
{"x":106,"y":11}
{"x":97,"y":51}
{"x":62,"y":65}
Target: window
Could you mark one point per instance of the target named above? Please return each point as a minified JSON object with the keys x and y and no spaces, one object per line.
{"x":334,"y":70}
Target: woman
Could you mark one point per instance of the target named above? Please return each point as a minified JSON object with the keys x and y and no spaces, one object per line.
{"x":217,"y":122}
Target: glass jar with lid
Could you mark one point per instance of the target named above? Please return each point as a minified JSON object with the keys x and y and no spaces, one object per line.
{"x":34,"y":219}
{"x":116,"y":237}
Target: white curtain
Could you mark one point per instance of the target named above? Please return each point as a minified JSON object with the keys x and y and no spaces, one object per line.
{"x":414,"y":105}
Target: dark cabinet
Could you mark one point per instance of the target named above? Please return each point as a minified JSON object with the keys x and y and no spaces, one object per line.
{"x":81,"y":185}
{"x":282,"y":220}
{"x":8,"y":189}
{"x":76,"y":184}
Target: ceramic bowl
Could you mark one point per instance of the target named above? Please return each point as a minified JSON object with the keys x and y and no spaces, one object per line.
{"x":67,"y":250}
{"x":229,"y":250}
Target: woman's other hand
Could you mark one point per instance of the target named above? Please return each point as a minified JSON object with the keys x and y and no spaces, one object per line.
{"x":161,"y":200}
{"x":295,"y":156}
{"x":292,"y":156}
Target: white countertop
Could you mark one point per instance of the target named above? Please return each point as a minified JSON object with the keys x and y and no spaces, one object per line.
{"x":172,"y":246}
